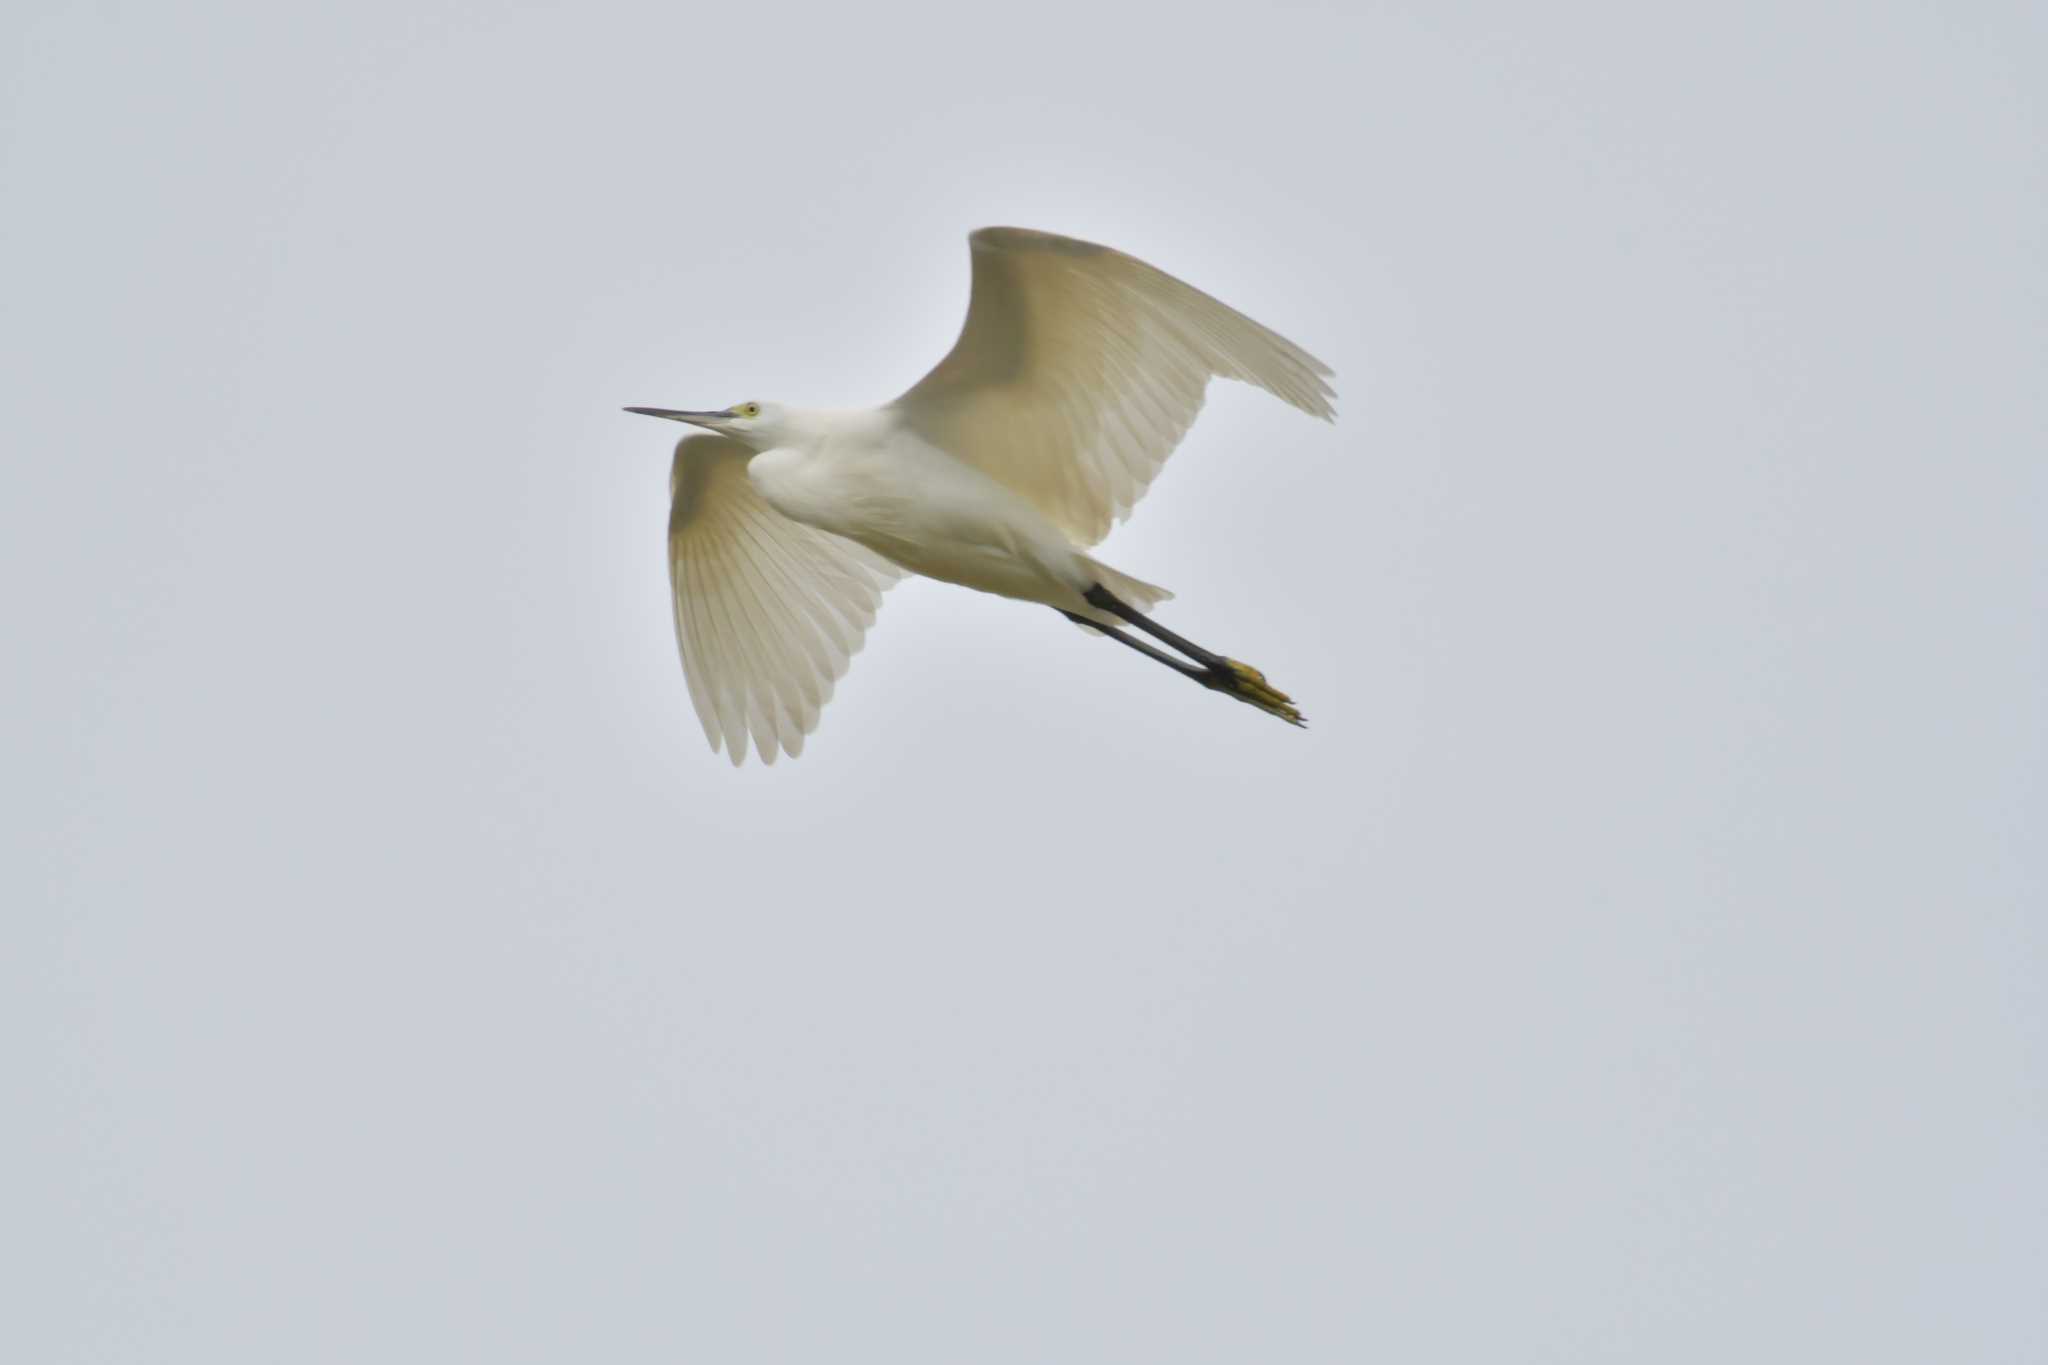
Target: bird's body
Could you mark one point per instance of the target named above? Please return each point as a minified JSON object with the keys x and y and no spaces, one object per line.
{"x":868,"y":476}
{"x":1077,"y":372}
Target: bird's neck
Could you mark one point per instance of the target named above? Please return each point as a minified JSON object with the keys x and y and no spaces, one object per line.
{"x":814,"y":428}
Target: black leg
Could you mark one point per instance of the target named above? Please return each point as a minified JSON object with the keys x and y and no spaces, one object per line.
{"x":1219,"y":674}
{"x":1185,"y":670}
{"x":1099,"y":596}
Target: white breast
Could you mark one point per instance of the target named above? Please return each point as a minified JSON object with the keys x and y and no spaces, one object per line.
{"x":923,"y":510}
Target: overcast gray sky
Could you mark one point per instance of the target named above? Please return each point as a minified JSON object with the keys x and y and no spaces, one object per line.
{"x":1642,"y":959}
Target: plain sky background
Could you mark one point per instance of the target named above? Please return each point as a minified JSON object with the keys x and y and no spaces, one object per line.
{"x":1641,"y":959}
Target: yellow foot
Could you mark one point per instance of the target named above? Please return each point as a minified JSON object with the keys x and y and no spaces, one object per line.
{"x":1249,"y":685}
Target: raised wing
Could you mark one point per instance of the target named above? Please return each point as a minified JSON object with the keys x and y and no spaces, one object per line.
{"x":768,"y":610}
{"x":1080,"y":368}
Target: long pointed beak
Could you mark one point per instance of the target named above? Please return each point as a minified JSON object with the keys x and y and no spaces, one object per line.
{"x":700,"y":419}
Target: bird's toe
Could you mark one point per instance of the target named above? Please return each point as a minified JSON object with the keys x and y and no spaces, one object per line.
{"x":1249,"y":686}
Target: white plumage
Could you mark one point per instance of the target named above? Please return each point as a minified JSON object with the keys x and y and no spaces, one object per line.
{"x":1077,"y":372}
{"x":768,"y":610}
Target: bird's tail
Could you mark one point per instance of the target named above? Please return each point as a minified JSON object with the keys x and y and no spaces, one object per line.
{"x":1136,"y":591}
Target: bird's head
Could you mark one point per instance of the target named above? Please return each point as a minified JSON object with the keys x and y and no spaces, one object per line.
{"x":760,"y":425}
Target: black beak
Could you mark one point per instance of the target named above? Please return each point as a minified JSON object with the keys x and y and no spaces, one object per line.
{"x":694,"y":418}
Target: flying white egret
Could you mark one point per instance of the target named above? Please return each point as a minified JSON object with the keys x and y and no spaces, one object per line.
{"x":1076,"y":374}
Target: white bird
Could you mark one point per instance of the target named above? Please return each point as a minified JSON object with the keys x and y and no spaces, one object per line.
{"x":1076,"y":374}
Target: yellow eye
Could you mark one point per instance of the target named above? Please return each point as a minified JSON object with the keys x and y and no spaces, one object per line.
{"x":750,"y":409}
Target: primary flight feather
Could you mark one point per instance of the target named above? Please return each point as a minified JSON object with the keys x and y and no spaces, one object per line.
{"x":1076,"y":374}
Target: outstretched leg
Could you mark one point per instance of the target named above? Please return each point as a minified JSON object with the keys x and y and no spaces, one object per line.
{"x":1218,"y":673}
{"x":1186,"y":670}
